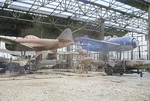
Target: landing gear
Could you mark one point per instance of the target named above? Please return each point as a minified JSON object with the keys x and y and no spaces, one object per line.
{"x":141,"y":74}
{"x":108,"y":71}
{"x":121,"y":73}
{"x":22,"y":70}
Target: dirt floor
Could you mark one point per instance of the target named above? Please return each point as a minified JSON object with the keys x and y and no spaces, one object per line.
{"x":62,"y":85}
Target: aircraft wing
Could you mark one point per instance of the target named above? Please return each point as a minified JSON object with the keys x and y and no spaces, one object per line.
{"x":32,"y":45}
{"x":21,"y":46}
{"x":7,"y":40}
{"x":101,"y":45}
{"x":16,"y":45}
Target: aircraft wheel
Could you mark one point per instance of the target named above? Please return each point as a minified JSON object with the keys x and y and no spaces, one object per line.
{"x":141,"y":74}
{"x":121,"y":73}
{"x":106,"y":71}
{"x":110,"y":71}
{"x":22,"y":70}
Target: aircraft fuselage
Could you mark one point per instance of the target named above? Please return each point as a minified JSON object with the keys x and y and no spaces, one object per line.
{"x":126,"y":43}
{"x":115,"y":44}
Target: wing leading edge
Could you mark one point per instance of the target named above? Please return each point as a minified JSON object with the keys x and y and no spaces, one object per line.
{"x":7,"y":40}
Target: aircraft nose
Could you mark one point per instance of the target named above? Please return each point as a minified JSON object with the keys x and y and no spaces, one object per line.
{"x":135,"y":43}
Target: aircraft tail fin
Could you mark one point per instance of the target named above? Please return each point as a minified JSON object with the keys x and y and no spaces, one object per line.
{"x":85,"y":36}
{"x":66,"y":38}
{"x":66,"y":35}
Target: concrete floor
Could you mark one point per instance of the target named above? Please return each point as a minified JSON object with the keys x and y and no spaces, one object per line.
{"x":63,"y":85}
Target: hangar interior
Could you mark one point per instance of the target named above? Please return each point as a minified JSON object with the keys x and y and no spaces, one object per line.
{"x":103,"y":17}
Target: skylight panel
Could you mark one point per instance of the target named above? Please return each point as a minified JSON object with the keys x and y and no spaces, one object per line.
{"x":42,"y":12}
{"x":102,"y":3}
{"x":27,"y":1}
{"x":18,"y":7}
{"x":66,"y":13}
{"x":91,"y":19}
{"x":78,"y":19}
{"x":3,"y":1}
{"x":20,"y":4}
{"x":51,"y":6}
{"x":1,"y":4}
{"x":84,"y":17}
{"x":45,"y":9}
{"x":59,"y":15}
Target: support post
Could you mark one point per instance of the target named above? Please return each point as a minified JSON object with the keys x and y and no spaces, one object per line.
{"x":68,"y":58}
{"x":132,"y":50}
{"x":30,"y":64}
{"x":131,"y":54}
{"x":120,"y":55}
{"x":101,"y":29}
{"x":101,"y":34}
{"x":148,"y":42}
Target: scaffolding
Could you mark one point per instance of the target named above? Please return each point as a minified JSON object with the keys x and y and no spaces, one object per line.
{"x":119,"y":15}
